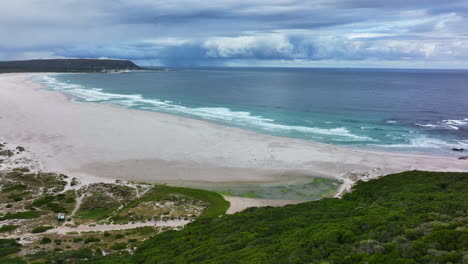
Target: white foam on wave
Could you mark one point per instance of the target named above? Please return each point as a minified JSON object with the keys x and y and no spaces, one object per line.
{"x":426,"y":125}
{"x":426,"y":143}
{"x":209,"y":113}
{"x":452,"y":124}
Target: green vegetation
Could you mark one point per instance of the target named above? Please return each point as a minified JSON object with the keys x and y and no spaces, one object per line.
{"x":8,"y":228}
{"x":216,"y":204}
{"x":405,"y":218}
{"x":103,"y":200}
{"x":20,"y":215}
{"x":45,"y":240}
{"x":48,"y":182}
{"x":59,"y":203}
{"x":17,"y":187}
{"x":411,"y":217}
{"x":91,"y":240}
{"x":8,"y":246}
{"x":7,"y":153}
{"x":41,"y":229}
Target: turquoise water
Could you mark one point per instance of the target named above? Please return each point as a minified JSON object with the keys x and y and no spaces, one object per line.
{"x":422,"y":111}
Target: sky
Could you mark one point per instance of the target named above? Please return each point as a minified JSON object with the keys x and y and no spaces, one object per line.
{"x":255,"y":33}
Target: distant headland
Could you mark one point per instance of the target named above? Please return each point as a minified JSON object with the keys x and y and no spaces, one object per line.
{"x":68,"y":65}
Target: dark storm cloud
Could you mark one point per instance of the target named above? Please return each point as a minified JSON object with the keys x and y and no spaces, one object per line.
{"x":189,"y":32}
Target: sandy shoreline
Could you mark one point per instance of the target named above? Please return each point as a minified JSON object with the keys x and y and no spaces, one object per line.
{"x":105,"y":141}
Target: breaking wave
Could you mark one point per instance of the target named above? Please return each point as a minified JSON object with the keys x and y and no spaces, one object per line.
{"x":217,"y":114}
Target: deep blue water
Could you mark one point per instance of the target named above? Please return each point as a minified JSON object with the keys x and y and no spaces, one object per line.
{"x":401,"y":110}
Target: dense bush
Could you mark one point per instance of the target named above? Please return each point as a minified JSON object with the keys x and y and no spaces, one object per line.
{"x":8,"y":228}
{"x":20,"y":215}
{"x":405,"y":218}
{"x":41,"y":229}
{"x":8,"y":246}
{"x":412,"y":217}
{"x":91,"y":239}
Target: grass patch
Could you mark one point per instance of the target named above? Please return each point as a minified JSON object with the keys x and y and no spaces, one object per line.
{"x":45,"y":240}
{"x":8,"y":228}
{"x":57,"y":203}
{"x":9,"y":246}
{"x":95,"y":214}
{"x":41,"y":229}
{"x":91,"y":240}
{"x":7,"y":153}
{"x":17,"y":187}
{"x":20,"y":215}
{"x":217,"y":205}
{"x":119,"y":246}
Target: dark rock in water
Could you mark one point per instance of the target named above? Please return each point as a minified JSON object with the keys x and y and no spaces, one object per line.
{"x":67,"y":65}
{"x":463,"y":158}
{"x":458,"y":149}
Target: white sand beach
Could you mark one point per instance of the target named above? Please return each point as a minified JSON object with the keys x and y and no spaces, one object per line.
{"x":84,"y":139}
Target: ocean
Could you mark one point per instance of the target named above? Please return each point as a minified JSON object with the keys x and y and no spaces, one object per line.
{"x":417,"y":111}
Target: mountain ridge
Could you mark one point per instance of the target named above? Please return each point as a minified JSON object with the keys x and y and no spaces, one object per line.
{"x":68,"y":65}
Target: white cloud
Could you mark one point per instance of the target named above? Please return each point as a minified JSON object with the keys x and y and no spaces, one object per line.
{"x":248,"y":46}
{"x":236,"y":31}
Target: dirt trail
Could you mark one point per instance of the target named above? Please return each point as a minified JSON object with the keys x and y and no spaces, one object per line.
{"x":100,"y":228}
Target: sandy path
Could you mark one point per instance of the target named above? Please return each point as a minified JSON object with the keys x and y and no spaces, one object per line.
{"x":63,"y":230}
{"x":241,"y":203}
{"x":105,"y":141}
{"x":101,"y":228}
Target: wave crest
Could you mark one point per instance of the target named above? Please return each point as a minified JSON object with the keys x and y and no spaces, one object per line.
{"x":220,"y":114}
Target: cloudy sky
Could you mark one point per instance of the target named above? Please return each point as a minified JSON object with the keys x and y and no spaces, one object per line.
{"x":286,"y":33}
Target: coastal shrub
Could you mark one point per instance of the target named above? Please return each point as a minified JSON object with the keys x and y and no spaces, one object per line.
{"x":43,"y":201}
{"x":45,"y":240}
{"x":119,"y":246}
{"x":407,"y":218}
{"x":16,"y":187}
{"x":20,"y":215}
{"x":15,"y":197}
{"x":7,"y":153}
{"x":41,"y":229}
{"x":363,"y":227}
{"x":4,"y":260}
{"x":50,"y":203}
{"x":97,"y":206}
{"x":9,"y":246}
{"x":8,"y":228}
{"x":91,"y":240}
{"x":22,"y":169}
{"x":217,"y":205}
{"x":56,"y":208}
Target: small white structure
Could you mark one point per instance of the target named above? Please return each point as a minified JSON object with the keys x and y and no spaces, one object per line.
{"x":61,"y":217}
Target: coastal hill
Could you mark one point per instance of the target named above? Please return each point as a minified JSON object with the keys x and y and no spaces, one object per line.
{"x":67,"y":65}
{"x":406,"y":218}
